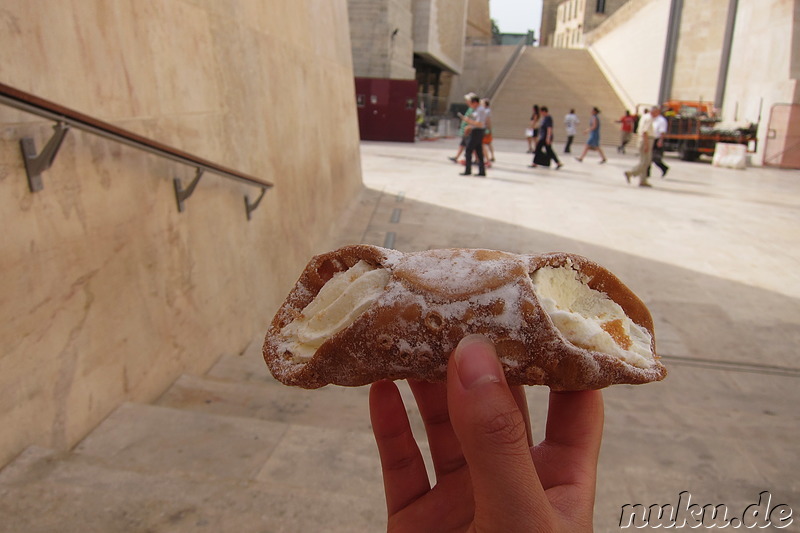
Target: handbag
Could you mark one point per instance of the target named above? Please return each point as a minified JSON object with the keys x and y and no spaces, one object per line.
{"x":540,"y":156}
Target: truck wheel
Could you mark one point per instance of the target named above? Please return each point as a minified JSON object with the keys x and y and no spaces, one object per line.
{"x":687,"y":154}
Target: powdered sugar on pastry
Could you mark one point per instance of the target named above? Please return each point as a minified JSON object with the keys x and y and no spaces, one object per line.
{"x":363,"y":313}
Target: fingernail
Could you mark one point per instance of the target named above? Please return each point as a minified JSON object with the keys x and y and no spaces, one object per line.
{"x":476,"y":361}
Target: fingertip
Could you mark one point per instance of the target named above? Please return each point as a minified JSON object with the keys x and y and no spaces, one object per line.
{"x":476,"y":362}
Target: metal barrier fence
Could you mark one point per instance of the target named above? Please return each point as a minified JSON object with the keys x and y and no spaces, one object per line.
{"x":434,"y":120}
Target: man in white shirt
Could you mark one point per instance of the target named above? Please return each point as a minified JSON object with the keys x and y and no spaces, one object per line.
{"x":571,"y":122}
{"x":645,"y":149}
{"x":660,"y":126}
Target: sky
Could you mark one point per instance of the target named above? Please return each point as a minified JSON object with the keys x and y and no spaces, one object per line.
{"x":516,"y":16}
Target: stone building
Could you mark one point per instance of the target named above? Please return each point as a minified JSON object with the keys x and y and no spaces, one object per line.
{"x":421,"y":40}
{"x":575,"y":18}
{"x":549,"y":18}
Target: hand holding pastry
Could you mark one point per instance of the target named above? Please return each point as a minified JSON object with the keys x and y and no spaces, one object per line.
{"x":488,"y":477}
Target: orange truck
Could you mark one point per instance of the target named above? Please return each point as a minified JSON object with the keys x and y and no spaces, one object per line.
{"x":694,"y":130}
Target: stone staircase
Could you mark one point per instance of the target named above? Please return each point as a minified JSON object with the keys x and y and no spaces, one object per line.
{"x":232,"y":450}
{"x":560,"y":79}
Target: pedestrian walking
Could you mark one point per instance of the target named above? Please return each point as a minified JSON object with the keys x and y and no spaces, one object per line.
{"x":645,"y":150}
{"x":571,"y":122}
{"x":544,"y":147}
{"x":626,"y":130}
{"x":660,"y":126}
{"x":477,"y":120}
{"x":594,"y":138}
{"x":464,"y":128}
{"x":532,"y":132}
{"x":488,"y":147}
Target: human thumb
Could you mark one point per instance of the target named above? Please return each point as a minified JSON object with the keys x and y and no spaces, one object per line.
{"x":493,"y":437}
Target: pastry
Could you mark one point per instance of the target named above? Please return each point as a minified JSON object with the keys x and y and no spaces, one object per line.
{"x":363,"y":313}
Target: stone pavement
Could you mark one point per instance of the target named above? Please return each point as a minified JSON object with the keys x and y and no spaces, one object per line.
{"x":713,"y":252}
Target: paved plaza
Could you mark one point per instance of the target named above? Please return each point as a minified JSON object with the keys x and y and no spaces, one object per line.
{"x":715,"y":254}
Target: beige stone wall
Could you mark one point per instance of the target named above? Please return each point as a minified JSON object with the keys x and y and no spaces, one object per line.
{"x":108,"y":293}
{"x":575,"y":18}
{"x":369,"y":33}
{"x":763,"y":64}
{"x":593,"y":19}
{"x":549,"y":21}
{"x":479,"y":23}
{"x":629,"y":49}
{"x":700,"y":42}
{"x":482,"y":64}
{"x":439,"y":31}
{"x":379,"y":52}
{"x":401,"y":45}
{"x":571,"y":17}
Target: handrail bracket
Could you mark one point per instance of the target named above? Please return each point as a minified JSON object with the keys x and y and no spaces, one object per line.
{"x":249,"y":208}
{"x":181,"y":194}
{"x":35,"y":163}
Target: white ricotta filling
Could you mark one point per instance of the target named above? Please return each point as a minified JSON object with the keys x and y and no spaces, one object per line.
{"x":590,"y":319}
{"x":337,"y":305}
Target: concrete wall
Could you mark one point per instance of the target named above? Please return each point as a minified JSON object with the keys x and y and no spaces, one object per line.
{"x":697,"y":58}
{"x":379,"y":52}
{"x":482,"y":65}
{"x":439,"y":31}
{"x":479,"y":22}
{"x":629,"y":48}
{"x":763,"y":68}
{"x":108,"y":293}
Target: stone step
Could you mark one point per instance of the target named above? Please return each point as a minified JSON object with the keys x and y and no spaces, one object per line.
{"x":160,"y":439}
{"x":561,"y":80}
{"x":332,"y":407}
{"x":45,"y":491}
{"x":166,"y":441}
{"x":241,"y":385}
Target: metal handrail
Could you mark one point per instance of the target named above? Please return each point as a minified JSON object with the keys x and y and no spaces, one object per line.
{"x":66,"y":118}
{"x":501,"y":77}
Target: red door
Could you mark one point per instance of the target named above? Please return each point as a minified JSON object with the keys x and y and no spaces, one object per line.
{"x":386,"y":109}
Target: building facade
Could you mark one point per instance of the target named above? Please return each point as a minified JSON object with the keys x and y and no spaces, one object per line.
{"x":420,"y":40}
{"x":743,"y":56}
{"x":575,"y":18}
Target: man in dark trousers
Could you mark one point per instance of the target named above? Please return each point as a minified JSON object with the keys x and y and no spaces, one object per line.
{"x":660,"y":126}
{"x":545,"y":144}
{"x":475,"y":144}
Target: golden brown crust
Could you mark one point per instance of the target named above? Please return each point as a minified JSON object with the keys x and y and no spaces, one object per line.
{"x":435,"y":298}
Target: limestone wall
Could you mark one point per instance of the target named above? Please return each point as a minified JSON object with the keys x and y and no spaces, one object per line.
{"x":108,"y":293}
{"x":763,"y":63}
{"x":439,"y":31}
{"x":482,"y":65}
{"x":549,"y":22}
{"x":479,"y":23}
{"x":700,"y":43}
{"x":379,"y":51}
{"x":629,"y":48}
